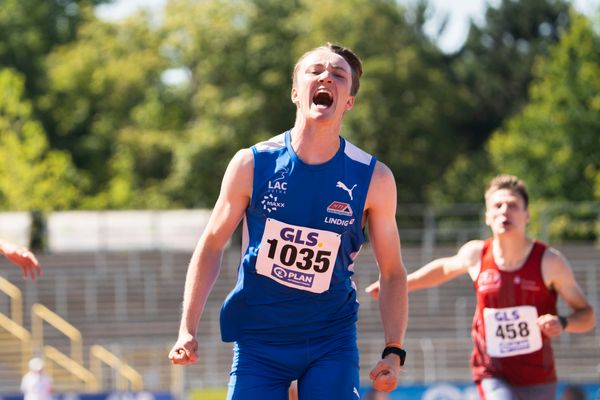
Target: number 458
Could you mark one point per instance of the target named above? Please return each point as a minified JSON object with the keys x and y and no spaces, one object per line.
{"x":510,"y":331}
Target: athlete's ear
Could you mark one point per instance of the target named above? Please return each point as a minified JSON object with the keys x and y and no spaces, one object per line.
{"x":488,"y":217}
{"x":294,"y":95}
{"x":349,"y":103}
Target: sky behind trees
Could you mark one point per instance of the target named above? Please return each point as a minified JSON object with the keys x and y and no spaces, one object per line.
{"x":458,"y":13}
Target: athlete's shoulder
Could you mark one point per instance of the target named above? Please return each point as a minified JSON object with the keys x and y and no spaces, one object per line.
{"x":356,"y":153}
{"x":553,"y":260}
{"x":383,"y":180}
{"x":272,"y":144}
{"x":242,"y":158}
{"x":473,"y":246}
{"x":382,"y":189}
{"x":470,"y":252}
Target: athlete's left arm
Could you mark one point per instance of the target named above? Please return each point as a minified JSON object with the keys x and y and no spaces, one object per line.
{"x":558,"y":275}
{"x":380,"y":209}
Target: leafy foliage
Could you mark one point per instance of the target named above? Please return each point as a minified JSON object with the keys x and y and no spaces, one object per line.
{"x":97,"y":112}
{"x":32,"y":176}
{"x":496,"y":61}
{"x":553,"y":143}
{"x":492,"y":73}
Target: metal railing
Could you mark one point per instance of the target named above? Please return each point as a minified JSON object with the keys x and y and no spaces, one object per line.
{"x":72,"y":367}
{"x":41,"y":313}
{"x":14,"y":323}
{"x":16,"y":300}
{"x":127,"y":377}
{"x":22,"y":335}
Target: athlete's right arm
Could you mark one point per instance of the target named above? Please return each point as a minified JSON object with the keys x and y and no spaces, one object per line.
{"x":441,"y":270}
{"x":445,"y":269}
{"x":205,"y":263}
{"x":21,"y":257}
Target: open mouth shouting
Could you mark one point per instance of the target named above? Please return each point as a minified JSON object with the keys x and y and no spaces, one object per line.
{"x":323,"y":98}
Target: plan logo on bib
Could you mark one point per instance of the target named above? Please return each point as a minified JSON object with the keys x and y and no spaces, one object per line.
{"x":296,"y":278}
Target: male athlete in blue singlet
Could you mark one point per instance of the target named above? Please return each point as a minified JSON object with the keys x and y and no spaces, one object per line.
{"x":304,"y":197}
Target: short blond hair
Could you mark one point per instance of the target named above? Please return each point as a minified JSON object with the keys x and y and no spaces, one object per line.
{"x":509,"y":182}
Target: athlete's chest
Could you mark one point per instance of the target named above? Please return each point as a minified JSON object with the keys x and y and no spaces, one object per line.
{"x":495,"y":288}
{"x":330,"y":199}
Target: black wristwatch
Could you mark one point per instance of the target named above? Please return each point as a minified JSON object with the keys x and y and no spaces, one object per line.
{"x":395,"y":350}
{"x":563,"y":322}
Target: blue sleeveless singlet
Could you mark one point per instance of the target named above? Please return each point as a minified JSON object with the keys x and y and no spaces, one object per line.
{"x":302,"y":233}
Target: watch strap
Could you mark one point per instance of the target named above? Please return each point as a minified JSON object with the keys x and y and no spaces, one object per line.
{"x":394,"y":350}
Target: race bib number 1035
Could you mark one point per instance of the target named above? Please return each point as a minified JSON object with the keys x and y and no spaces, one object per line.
{"x":298,"y":257}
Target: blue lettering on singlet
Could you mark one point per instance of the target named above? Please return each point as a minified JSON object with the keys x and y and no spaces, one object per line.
{"x":328,"y":196}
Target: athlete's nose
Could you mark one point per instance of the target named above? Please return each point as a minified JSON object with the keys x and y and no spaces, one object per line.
{"x":325,"y":76}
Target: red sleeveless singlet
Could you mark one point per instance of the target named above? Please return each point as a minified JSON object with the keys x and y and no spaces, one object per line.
{"x":498,"y":289}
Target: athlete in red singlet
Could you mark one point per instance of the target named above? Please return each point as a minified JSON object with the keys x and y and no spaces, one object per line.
{"x":517,"y":282}
{"x":512,"y":350}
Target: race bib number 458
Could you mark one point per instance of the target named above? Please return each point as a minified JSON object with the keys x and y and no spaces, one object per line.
{"x":297,"y":257}
{"x":511,"y":331}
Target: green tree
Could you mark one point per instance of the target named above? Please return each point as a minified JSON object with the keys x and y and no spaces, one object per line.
{"x":145,"y":142}
{"x":495,"y":64}
{"x":32,"y":176}
{"x":553,"y":143}
{"x":238,"y":57}
{"x":31,"y":28}
{"x":98,"y":87}
{"x":491,"y":74}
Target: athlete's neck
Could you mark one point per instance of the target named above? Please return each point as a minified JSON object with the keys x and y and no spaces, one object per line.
{"x":509,"y":255}
{"x":314,"y":145}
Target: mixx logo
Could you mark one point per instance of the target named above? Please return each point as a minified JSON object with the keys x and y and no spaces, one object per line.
{"x":296,"y":277}
{"x":270,"y":203}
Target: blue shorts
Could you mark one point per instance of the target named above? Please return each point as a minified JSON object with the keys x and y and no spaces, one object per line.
{"x":326,"y":368}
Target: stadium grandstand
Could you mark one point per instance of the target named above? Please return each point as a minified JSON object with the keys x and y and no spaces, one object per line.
{"x":106,"y":309}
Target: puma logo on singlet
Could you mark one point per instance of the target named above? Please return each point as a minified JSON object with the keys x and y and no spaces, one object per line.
{"x":341,"y":185}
